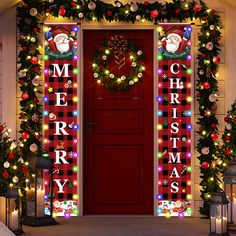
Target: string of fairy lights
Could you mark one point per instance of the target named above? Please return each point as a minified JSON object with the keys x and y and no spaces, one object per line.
{"x":32,"y":12}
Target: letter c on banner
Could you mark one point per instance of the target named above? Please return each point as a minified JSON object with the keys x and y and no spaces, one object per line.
{"x":172,"y":68}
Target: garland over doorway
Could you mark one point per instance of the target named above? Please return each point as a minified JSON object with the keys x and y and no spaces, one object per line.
{"x":32,"y":12}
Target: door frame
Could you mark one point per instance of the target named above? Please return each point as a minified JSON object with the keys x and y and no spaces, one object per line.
{"x":117,"y":26}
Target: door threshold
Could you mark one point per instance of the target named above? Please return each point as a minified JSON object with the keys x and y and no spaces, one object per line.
{"x":119,"y":216}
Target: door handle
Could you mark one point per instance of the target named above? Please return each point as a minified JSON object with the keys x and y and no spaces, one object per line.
{"x":91,"y":123}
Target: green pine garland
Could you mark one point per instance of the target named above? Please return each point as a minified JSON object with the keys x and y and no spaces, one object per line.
{"x":227,"y":150}
{"x":32,"y":12}
{"x":14,"y":170}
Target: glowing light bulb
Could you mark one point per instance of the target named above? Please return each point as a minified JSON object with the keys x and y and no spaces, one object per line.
{"x":75,"y":197}
{"x":189,"y":196}
{"x":107,"y":51}
{"x":159,"y":154}
{"x":75,"y":99}
{"x":75,"y":71}
{"x":159,"y":127}
{"x":45,"y":126}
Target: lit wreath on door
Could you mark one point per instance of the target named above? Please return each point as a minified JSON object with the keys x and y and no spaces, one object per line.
{"x":118,"y":47}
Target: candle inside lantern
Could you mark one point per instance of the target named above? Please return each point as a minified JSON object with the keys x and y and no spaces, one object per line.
{"x":14,"y":220}
{"x":233,"y":205}
{"x":218,"y":226}
{"x":40,"y":202}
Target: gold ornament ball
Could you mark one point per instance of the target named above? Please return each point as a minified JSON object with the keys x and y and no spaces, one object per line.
{"x":92,"y":6}
{"x":6,"y":164}
{"x":15,"y":179}
{"x":33,"y":11}
{"x":205,"y":150}
{"x":80,"y":15}
{"x":134,"y":7}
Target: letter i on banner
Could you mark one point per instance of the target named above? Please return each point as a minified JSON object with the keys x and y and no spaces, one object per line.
{"x":174,"y":122}
{"x":61,"y":116}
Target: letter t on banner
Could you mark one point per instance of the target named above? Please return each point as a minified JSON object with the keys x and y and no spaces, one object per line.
{"x":174,"y":122}
{"x":61,"y":116}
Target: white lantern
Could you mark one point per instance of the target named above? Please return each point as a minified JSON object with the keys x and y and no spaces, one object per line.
{"x":219,"y":214}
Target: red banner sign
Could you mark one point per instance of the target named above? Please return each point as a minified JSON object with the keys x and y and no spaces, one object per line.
{"x":61,"y":116}
{"x":174,"y":128}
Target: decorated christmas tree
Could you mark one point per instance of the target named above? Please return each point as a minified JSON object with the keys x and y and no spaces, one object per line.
{"x":14,"y":171}
{"x":227,"y":151}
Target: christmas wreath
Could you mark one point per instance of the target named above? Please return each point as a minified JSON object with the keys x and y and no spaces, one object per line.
{"x":118,"y":48}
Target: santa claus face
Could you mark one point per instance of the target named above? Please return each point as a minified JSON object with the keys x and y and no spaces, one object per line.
{"x":62,"y":43}
{"x":173,"y":42}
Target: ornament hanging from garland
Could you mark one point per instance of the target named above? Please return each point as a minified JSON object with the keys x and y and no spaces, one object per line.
{"x":118,"y":48}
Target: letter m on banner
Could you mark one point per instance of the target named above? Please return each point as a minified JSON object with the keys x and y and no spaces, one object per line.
{"x":174,"y":121}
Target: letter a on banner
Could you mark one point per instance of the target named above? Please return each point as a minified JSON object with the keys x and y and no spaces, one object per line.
{"x":174,"y":129}
{"x":61,"y":121}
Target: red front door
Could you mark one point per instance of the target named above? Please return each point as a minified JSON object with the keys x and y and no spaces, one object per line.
{"x":118,"y":134}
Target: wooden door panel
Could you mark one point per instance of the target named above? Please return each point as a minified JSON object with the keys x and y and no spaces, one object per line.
{"x":130,"y":121}
{"x":118,"y":137}
{"x":121,"y":159}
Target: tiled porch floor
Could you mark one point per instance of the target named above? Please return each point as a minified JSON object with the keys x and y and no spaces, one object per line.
{"x":123,"y":226}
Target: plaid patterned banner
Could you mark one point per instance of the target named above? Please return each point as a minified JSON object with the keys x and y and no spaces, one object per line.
{"x":61,"y":115}
{"x":174,"y":128}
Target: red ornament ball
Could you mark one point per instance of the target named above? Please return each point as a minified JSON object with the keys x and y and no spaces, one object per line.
{"x":203,"y":55}
{"x":227,"y":151}
{"x":11,"y":155}
{"x":73,"y":4}
{"x":206,"y":85}
{"x":204,"y":18}
{"x":36,"y":69}
{"x":34,"y":60}
{"x":146,"y":3}
{"x":5,"y":175}
{"x":177,"y":11}
{"x":213,"y":11}
{"x":35,"y":29}
{"x":213,"y":125}
{"x":109,"y":13}
{"x":26,"y":6}
{"x":227,"y":138}
{"x":197,"y":8}
{"x":62,"y":11}
{"x":47,"y":11}
{"x":216,"y":60}
{"x":154,"y":14}
{"x":214,"y":136}
{"x":1,"y":128}
{"x":234,"y":119}
{"x":24,"y":169}
{"x":226,"y":119}
{"x":25,"y":96}
{"x":205,"y":165}
{"x":24,"y":135}
{"x":23,"y":48}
